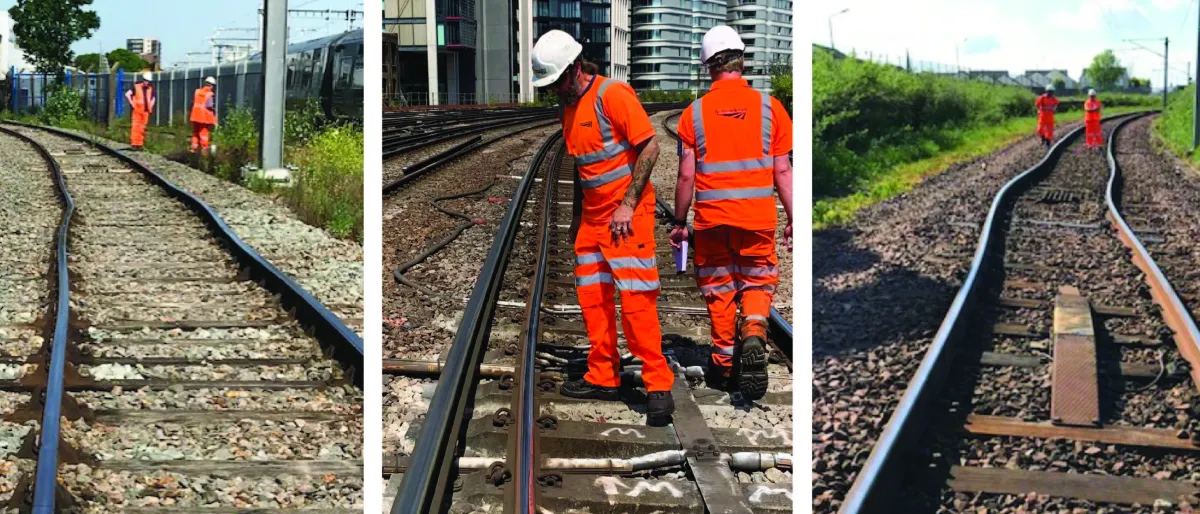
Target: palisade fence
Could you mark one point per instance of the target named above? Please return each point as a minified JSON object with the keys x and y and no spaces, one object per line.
{"x":239,"y":85}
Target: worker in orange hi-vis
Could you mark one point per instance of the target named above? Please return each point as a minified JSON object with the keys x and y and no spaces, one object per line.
{"x":610,"y":136}
{"x":1047,"y":105}
{"x":734,"y":145}
{"x":141,"y":100}
{"x":1091,"y":121}
{"x":204,"y":115}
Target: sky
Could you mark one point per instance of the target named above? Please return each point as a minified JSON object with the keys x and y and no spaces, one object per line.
{"x":184,"y":26}
{"x":1017,"y":35}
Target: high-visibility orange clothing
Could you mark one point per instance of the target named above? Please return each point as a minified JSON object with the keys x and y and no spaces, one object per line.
{"x":601,"y":131}
{"x":1046,"y":105}
{"x":1091,"y":122}
{"x":736,"y":133}
{"x":203,"y":117}
{"x":202,"y":112}
{"x":143,"y":92}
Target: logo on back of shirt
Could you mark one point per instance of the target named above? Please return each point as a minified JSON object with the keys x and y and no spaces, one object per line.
{"x":586,"y":124}
{"x":733,"y":113}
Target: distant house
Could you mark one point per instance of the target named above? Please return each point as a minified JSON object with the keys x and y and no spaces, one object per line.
{"x":1042,"y":78}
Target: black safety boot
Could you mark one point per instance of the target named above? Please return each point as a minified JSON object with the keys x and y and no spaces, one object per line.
{"x":585,"y":390}
{"x":750,"y":360}
{"x":660,"y":404}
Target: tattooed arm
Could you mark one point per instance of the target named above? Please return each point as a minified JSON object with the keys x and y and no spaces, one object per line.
{"x":622,"y":222}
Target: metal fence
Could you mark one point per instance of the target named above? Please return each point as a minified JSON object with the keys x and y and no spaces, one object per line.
{"x":239,"y":85}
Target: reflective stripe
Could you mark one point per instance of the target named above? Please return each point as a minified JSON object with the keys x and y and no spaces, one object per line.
{"x":756,"y":317}
{"x":606,"y":177}
{"x":727,"y":287}
{"x":698,"y":128}
{"x":589,"y":258}
{"x":637,"y":285}
{"x":633,"y":262}
{"x":594,"y":278}
{"x":609,"y":151}
{"x":742,"y":165}
{"x":757,"y":287}
{"x":712,"y":271}
{"x":757,"y":271}
{"x":735,"y":194}
{"x":767,"y":123}
{"x":723,"y":351}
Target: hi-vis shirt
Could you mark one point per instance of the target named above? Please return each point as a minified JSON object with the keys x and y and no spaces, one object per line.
{"x":601,"y":131}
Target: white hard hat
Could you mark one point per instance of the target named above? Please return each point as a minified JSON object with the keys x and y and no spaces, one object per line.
{"x":1091,"y":92}
{"x":719,"y":39}
{"x":146,"y":76}
{"x":210,"y":80}
{"x":1050,"y":87}
{"x":552,"y":54}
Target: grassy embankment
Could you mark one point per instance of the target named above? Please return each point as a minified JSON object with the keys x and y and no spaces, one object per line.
{"x":878,"y":130}
{"x":1174,"y":126}
{"x":327,"y":191}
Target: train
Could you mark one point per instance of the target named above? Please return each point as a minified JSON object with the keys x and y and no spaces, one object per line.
{"x":329,"y":69}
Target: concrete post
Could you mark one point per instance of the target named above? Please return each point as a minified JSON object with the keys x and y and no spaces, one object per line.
{"x":431,"y":49}
{"x":115,"y":96}
{"x":274,"y":70}
{"x":524,"y":47}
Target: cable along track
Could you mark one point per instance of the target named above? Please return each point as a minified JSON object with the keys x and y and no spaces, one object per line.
{"x":1053,"y":371}
{"x":191,"y":372}
{"x":525,"y":447}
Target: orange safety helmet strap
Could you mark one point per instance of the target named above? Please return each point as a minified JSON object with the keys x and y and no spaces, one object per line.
{"x":706,"y":167}
{"x":611,"y":149}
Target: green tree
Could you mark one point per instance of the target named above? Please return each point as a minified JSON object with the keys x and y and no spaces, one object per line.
{"x":781,"y":83}
{"x":1136,"y":82}
{"x":1059,"y":83}
{"x":87,"y":62}
{"x":1105,"y":70}
{"x":129,"y":61}
{"x":45,"y":29}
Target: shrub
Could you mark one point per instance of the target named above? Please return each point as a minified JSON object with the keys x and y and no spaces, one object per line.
{"x":237,"y":143}
{"x":63,"y":108}
{"x":328,"y":190}
{"x":302,"y":123}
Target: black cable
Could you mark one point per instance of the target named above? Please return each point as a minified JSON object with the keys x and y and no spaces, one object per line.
{"x":398,"y":273}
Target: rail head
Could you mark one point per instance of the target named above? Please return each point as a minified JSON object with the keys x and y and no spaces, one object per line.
{"x":874,"y":486}
{"x":45,"y":483}
{"x":426,"y":485}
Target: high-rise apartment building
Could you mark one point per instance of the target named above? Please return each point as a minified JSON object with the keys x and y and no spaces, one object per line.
{"x":666,"y":42}
{"x":148,"y":48}
{"x":667,"y":35}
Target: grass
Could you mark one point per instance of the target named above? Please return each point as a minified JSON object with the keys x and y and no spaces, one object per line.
{"x":1174,"y":126}
{"x":947,"y":148}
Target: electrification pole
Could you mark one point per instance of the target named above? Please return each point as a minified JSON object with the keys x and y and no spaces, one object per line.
{"x":1166,"y":42}
{"x":274,"y":48}
{"x":1196,"y":92}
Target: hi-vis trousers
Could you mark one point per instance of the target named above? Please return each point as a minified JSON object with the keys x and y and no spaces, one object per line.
{"x":629,"y":266}
{"x":730,"y":263}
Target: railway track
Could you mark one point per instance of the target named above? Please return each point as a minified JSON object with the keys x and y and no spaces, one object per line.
{"x":186,"y":370}
{"x":1064,"y":366}
{"x":496,"y":407}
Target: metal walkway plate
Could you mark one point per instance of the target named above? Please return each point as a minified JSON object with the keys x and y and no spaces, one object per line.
{"x":1075,"y":395}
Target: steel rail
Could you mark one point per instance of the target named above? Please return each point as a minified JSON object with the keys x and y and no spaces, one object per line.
{"x":427,"y":485}
{"x":446,"y":135}
{"x":527,"y":460}
{"x":1175,"y":314}
{"x":875,"y":486}
{"x":346,"y":346}
{"x":46,"y":474}
{"x":781,"y":330}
